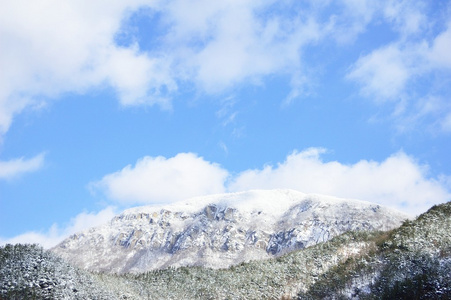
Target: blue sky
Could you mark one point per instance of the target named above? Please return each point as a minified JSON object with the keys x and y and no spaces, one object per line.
{"x":114,"y":104}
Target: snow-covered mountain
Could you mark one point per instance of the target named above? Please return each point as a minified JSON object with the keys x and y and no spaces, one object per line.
{"x":220,"y":230}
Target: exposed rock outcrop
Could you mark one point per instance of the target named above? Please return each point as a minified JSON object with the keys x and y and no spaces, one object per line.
{"x":221,"y":230}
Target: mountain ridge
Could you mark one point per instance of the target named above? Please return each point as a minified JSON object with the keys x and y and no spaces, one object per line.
{"x":218,"y":231}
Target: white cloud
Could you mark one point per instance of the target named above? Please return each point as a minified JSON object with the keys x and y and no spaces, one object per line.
{"x":214,"y":46}
{"x":439,"y":54}
{"x":50,"y":47}
{"x":16,"y":167}
{"x":384,"y":72}
{"x":407,"y":17}
{"x":163,"y":180}
{"x":220,"y":44}
{"x":56,"y":234}
{"x":355,"y":16}
{"x":138,"y":78}
{"x":398,"y":181}
{"x":397,"y":72}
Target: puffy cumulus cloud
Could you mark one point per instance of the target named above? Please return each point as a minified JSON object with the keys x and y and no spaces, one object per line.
{"x":398,"y":181}
{"x":56,"y":233}
{"x":212,"y":45}
{"x":16,"y":167}
{"x":163,"y":180}
{"x":50,"y":47}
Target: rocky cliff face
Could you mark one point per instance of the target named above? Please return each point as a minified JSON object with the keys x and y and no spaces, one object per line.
{"x":220,"y":230}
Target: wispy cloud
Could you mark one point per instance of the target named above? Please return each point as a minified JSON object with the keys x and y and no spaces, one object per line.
{"x":396,"y":73}
{"x":16,"y":167}
{"x":407,"y":18}
{"x":384,"y":72}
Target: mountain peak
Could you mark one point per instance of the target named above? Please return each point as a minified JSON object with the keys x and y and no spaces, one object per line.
{"x":221,"y":230}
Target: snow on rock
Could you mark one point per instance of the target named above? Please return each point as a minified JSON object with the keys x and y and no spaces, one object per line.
{"x":220,"y":230}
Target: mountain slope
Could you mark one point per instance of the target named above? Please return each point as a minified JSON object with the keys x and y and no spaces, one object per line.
{"x":220,"y":230}
{"x":410,"y":262}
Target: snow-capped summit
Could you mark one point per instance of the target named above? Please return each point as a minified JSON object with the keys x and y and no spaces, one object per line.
{"x":220,"y":230}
